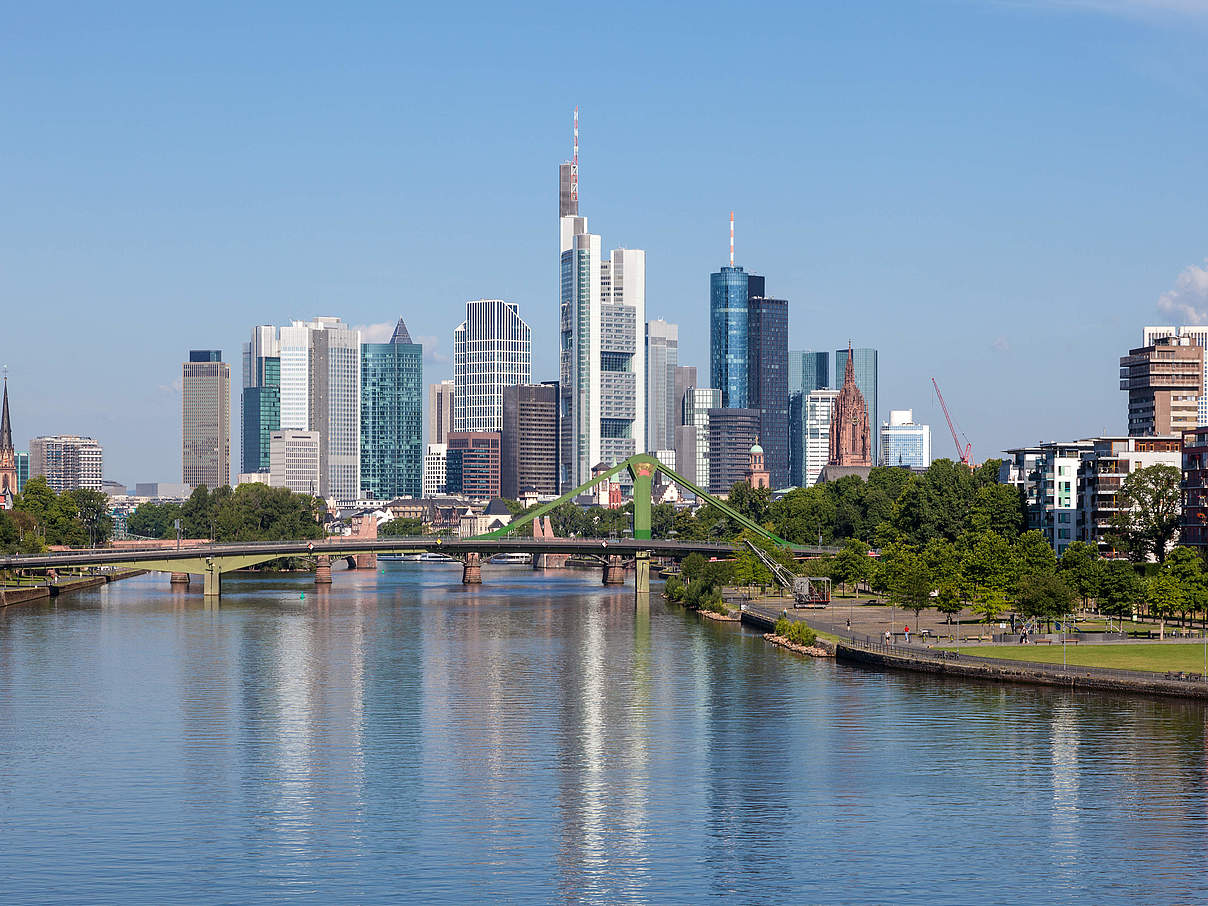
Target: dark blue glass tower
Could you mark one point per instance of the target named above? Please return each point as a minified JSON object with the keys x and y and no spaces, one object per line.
{"x":768,"y":384}
{"x":391,"y":417}
{"x":729,"y":292}
{"x":809,"y":370}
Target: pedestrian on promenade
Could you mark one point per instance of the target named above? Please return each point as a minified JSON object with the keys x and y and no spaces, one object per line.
{"x":906,"y":630}
{"x":849,"y":625}
{"x":888,"y":637}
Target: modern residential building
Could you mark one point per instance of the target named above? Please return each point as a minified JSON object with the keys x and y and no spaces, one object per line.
{"x":1102,"y":471}
{"x":1164,"y":382}
{"x":436,"y":461}
{"x":662,"y":404}
{"x":904,"y":443}
{"x":809,"y":435}
{"x":808,"y":370}
{"x":392,"y":380}
{"x":529,"y":458}
{"x":602,"y":367}
{"x":440,"y":411}
{"x":732,"y":434}
{"x":10,"y":482}
{"x":1194,"y":523}
{"x":864,"y":362}
{"x":768,"y":375}
{"x":295,"y":461}
{"x":67,"y":462}
{"x":692,"y":436}
{"x":261,"y":410}
{"x":730,"y":291}
{"x":1197,"y":335}
{"x":492,"y":349}
{"x":473,"y":465}
{"x":206,"y":420}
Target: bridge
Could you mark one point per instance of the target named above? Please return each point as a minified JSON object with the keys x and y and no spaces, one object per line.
{"x":212,"y":560}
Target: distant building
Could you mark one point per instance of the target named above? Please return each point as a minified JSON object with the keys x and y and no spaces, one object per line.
{"x":260,"y":404}
{"x":757,"y":472}
{"x":850,"y":443}
{"x":162,"y":490}
{"x":335,"y":406}
{"x":730,"y":291}
{"x":67,"y":462}
{"x":768,"y":391}
{"x":864,"y":368}
{"x":685,"y":377}
{"x":474,"y":464}
{"x":732,"y":433}
{"x":252,"y":478}
{"x":904,"y":443}
{"x":492,"y":349}
{"x":692,"y":436}
{"x":294,"y":461}
{"x":22,"y":469}
{"x":10,"y":480}
{"x":1164,"y":383}
{"x":1102,"y":471}
{"x":392,"y":379}
{"x":206,"y":420}
{"x":440,"y":411}
{"x":808,"y":370}
{"x":1194,"y":523}
{"x":809,"y":435}
{"x":1198,"y":335}
{"x":436,"y":461}
{"x":662,"y":405}
{"x":530,"y":440}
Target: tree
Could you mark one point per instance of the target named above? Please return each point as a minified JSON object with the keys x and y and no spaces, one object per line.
{"x":1148,"y":511}
{"x":851,"y":565}
{"x":990,"y":602}
{"x":1033,"y":556}
{"x":910,"y":586}
{"x":1082,"y":570}
{"x":693,"y":567}
{"x":998,"y":508}
{"x":154,"y":520}
{"x":401,"y":528}
{"x":1044,"y":596}
{"x":1120,"y":588}
{"x":92,"y":511}
{"x":804,"y":515}
{"x":38,"y":500}
{"x":936,"y":503}
{"x":988,"y":563}
{"x":1164,"y":595}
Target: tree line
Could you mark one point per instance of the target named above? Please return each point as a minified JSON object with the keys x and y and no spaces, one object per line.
{"x":249,"y":512}
{"x":40,"y":518}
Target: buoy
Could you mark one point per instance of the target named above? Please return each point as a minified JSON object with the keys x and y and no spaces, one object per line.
{"x":303,"y":596}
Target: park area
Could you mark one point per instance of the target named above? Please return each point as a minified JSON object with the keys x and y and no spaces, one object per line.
{"x":1155,"y":657}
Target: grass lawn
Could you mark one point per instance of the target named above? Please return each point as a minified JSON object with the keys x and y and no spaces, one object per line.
{"x":1157,"y":658}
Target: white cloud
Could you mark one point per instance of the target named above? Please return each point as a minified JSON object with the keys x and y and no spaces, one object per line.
{"x":1188,"y":301}
{"x":177,"y":386}
{"x":376,"y":333}
{"x":1001,"y":344}
{"x":1136,"y":8}
{"x":432,"y":353}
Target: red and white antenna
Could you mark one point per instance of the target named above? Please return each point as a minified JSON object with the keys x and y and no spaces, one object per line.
{"x":731,"y":239}
{"x":574,"y":166}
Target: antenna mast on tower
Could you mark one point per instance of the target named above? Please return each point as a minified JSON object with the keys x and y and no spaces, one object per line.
{"x":731,"y":239}
{"x":574,"y":166}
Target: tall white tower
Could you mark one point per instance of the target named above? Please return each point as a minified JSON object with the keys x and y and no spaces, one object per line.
{"x":492,"y":349}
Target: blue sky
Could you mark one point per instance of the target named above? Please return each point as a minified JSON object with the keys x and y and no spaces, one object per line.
{"x":999,"y":194}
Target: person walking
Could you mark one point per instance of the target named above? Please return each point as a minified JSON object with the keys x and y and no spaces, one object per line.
{"x":906,"y":632}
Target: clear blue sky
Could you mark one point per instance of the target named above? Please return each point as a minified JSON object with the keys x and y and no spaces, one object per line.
{"x":996,"y":193}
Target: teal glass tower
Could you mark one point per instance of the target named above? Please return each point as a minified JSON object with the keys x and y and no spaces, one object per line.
{"x":392,"y":380}
{"x":261,"y":412}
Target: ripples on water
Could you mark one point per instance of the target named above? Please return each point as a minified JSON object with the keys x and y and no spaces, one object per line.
{"x":402,"y":738}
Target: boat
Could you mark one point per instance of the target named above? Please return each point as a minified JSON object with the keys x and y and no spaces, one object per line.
{"x":433,"y":557}
{"x":512,"y":559}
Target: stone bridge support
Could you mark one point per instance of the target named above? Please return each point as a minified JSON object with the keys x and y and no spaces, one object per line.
{"x":323,"y":569}
{"x":212,"y":580}
{"x":641,"y":582}
{"x":614,"y":570}
{"x":471,"y":570}
{"x":180,"y":579}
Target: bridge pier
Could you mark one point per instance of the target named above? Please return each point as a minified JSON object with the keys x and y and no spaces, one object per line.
{"x":471,"y":570}
{"x":212,"y":581}
{"x":641,"y":582}
{"x":614,"y":570}
{"x":180,"y":579}
{"x":323,"y":569}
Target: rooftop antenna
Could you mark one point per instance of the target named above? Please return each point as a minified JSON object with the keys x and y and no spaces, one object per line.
{"x":574,"y":166}
{"x":731,"y":239}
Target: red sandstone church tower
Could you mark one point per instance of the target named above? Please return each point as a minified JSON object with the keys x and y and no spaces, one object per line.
{"x":757,"y":473}
{"x":850,"y":442}
{"x":8,"y":457}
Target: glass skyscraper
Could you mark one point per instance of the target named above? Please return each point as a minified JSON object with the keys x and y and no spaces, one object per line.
{"x":392,"y":379}
{"x":809,"y":370}
{"x":261,"y":412}
{"x":768,"y":384}
{"x":864,"y":363}
{"x":729,"y":291}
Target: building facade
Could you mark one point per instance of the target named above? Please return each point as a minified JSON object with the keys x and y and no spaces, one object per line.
{"x":436,"y":461}
{"x":850,"y":437}
{"x":732,"y":434}
{"x":1164,"y":382}
{"x":1197,"y":335}
{"x":261,"y":411}
{"x":334,"y":393}
{"x":492,"y":349}
{"x":1194,"y":522}
{"x":294,"y":461}
{"x":392,"y":378}
{"x":692,"y":436}
{"x":67,"y":462}
{"x":864,"y":367}
{"x":440,"y":411}
{"x":904,"y":443}
{"x":1102,"y":471}
{"x":529,"y":457}
{"x":768,"y":391}
{"x":206,"y":420}
{"x":730,"y":291}
{"x":473,"y":464}
{"x":809,"y":435}
{"x":662,"y":403}
{"x":22,"y":469}
{"x":808,"y":370}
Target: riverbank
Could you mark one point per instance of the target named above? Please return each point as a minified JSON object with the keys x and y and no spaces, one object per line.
{"x":10,"y":595}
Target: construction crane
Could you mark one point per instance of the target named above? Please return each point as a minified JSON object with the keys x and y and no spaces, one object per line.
{"x":965,"y":454}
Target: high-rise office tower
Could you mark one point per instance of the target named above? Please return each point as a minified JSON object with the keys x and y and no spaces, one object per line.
{"x":1164,"y":382}
{"x":67,"y":462}
{"x":730,"y":290}
{"x":261,"y":411}
{"x":334,"y":404}
{"x":440,"y":411}
{"x":768,"y":389}
{"x":809,"y":435}
{"x":294,"y":461}
{"x":864,"y":362}
{"x":732,"y":433}
{"x":1198,"y":335}
{"x":206,"y":420}
{"x":10,"y":486}
{"x":22,"y":469}
{"x":492,"y":349}
{"x":392,"y":376}
{"x":530,"y":440}
{"x":808,"y":370}
{"x":473,"y":464}
{"x":692,"y":436}
{"x":662,"y":404}
{"x":904,"y":443}
{"x":685,"y":377}
{"x":602,"y":356}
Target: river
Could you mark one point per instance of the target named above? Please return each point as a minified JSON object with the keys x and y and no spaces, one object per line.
{"x":400,"y":737}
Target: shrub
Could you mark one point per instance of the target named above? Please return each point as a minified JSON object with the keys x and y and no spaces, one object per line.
{"x":714,"y":603}
{"x":796,"y":632}
{"x":673,"y":588}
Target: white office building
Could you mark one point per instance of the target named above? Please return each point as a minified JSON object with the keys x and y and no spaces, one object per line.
{"x":436,"y":470}
{"x":816,"y":433}
{"x":662,"y":404}
{"x":904,"y":443}
{"x":67,"y":462}
{"x":692,"y":435}
{"x":294,"y":461}
{"x":492,"y":349}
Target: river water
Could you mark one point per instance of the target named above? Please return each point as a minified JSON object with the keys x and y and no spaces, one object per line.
{"x":402,"y":738}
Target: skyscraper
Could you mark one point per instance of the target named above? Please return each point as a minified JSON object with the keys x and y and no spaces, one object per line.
{"x":440,"y":411}
{"x":602,"y":358}
{"x":391,"y":417}
{"x":435,"y":469}
{"x":662,"y":404}
{"x":206,"y":420}
{"x":294,"y":461}
{"x":1165,"y":382}
{"x":808,"y":370}
{"x":865,"y":370}
{"x":334,"y":404}
{"x":809,"y":435}
{"x":530,"y":440}
{"x":692,"y":436}
{"x":768,"y":389}
{"x":9,"y":483}
{"x":730,"y":290}
{"x":473,"y":464}
{"x":67,"y":462}
{"x":261,"y":410}
{"x":732,"y":433}
{"x":492,"y":349}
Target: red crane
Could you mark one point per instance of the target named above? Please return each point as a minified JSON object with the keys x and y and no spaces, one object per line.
{"x":966,"y":454}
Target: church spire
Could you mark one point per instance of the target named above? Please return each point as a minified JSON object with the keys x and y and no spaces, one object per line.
{"x":6,"y":430}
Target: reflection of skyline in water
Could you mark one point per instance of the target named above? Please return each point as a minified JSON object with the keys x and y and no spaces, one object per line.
{"x":398,"y":735}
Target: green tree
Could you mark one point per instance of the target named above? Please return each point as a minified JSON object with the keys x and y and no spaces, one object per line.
{"x":1033,"y":556}
{"x":1148,"y":511}
{"x":1044,"y":596}
{"x":911,"y":585}
{"x":401,"y":528}
{"x":852,"y":564}
{"x":936,"y":503}
{"x":693,"y":567}
{"x":998,"y":508}
{"x":1164,"y":595}
{"x":93,"y":513}
{"x":1082,"y":570}
{"x":154,"y":520}
{"x":1120,"y":589}
{"x":988,"y":564}
{"x":804,"y":515}
{"x":37,"y":499}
